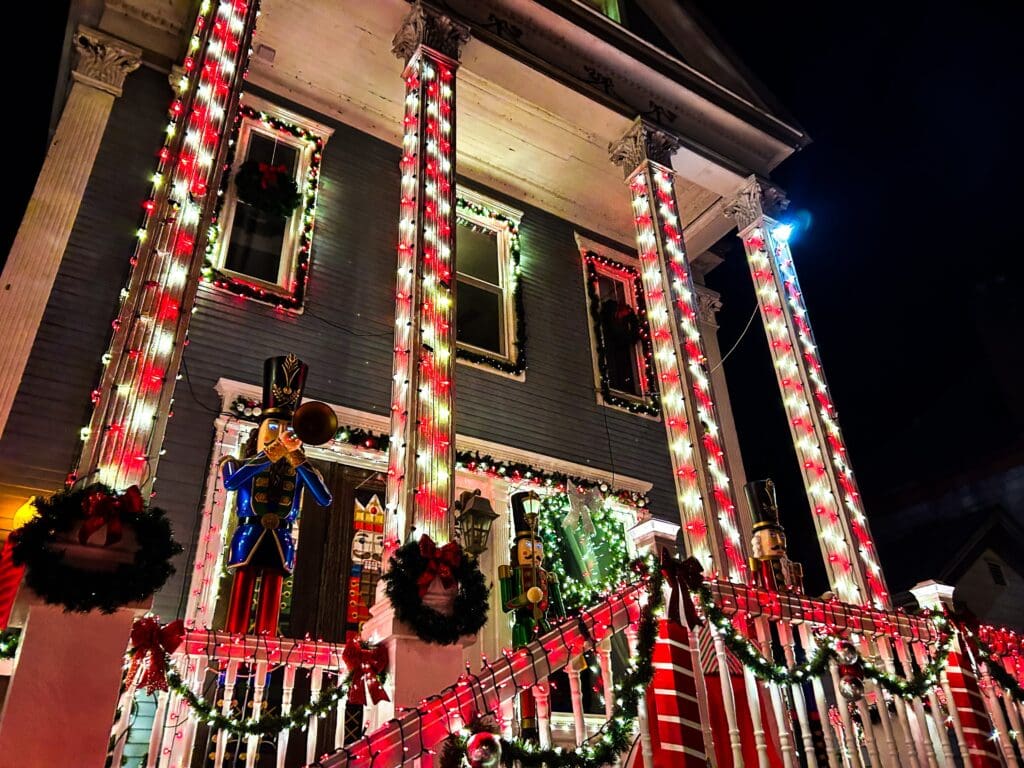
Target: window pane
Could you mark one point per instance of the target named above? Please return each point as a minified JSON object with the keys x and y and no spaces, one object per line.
{"x":257,"y":238}
{"x":478,"y":320}
{"x":476,"y":254}
{"x":620,"y":334}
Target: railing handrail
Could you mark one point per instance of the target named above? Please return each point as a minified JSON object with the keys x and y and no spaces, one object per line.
{"x":224,"y":646}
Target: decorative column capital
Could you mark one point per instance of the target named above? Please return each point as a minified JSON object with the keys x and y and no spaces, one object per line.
{"x":643,"y":141}
{"x":709,"y":303}
{"x":426,"y":26}
{"x":759,"y":197}
{"x":102,"y":61}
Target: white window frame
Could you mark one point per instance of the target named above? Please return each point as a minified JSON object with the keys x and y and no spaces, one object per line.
{"x":506,"y":276}
{"x":286,"y":277}
{"x":587,"y":245}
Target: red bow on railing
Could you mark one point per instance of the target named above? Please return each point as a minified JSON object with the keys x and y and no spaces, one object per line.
{"x":366,"y":665}
{"x":441,"y":562}
{"x":150,"y":645}
{"x":102,"y":508}
{"x":271,"y":174}
{"x":682,"y":576}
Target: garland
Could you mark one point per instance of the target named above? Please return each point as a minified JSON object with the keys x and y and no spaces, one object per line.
{"x":472,"y":461}
{"x":9,"y":640}
{"x":413,"y":567}
{"x":616,"y":735}
{"x":996,"y":670}
{"x":518,"y":365}
{"x":80,"y":589}
{"x":294,"y":297}
{"x":650,"y":403}
{"x":267,"y":725}
{"x":767,"y":670}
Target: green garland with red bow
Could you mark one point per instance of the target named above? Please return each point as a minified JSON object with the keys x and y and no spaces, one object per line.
{"x":268,"y":188}
{"x":94,"y":509}
{"x":414,"y":567}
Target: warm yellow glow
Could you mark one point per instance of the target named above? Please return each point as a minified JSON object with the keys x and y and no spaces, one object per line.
{"x":25,"y":514}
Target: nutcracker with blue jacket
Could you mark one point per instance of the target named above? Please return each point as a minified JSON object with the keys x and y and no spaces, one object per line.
{"x":529,"y":592}
{"x":270,"y":487}
{"x":770,"y":567}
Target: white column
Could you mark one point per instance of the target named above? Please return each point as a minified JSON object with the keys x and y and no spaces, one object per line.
{"x":103,"y":62}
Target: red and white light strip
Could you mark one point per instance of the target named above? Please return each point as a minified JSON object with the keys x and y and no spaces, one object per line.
{"x":420,"y":483}
{"x":655,"y":212}
{"x":816,"y":436}
{"x":152,"y":319}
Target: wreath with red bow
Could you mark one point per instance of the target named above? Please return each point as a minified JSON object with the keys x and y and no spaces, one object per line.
{"x":268,"y":188}
{"x":102,"y":516}
{"x":414,"y":568}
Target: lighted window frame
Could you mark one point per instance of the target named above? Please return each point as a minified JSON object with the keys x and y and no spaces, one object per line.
{"x":259,"y":117}
{"x":502,"y":223}
{"x":645,"y":401}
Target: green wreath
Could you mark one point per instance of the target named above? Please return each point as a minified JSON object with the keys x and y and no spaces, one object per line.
{"x":408,"y":570}
{"x":270,"y":189}
{"x":80,"y":589}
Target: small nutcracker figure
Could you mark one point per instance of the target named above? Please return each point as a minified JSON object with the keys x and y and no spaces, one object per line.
{"x":269,"y":486}
{"x":769,"y":566}
{"x":529,"y":592}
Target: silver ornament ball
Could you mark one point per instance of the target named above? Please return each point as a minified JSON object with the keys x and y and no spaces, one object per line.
{"x":851,"y":688}
{"x":846,"y":652}
{"x":483,"y":750}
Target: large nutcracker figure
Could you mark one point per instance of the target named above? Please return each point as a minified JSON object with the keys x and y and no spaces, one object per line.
{"x":270,"y":486}
{"x":529,"y":592}
{"x":770,"y":567}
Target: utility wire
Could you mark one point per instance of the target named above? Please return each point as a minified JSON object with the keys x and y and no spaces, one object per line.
{"x":733,"y":347}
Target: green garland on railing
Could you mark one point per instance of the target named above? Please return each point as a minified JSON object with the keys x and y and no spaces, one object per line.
{"x":616,"y":735}
{"x":9,"y":639}
{"x":267,"y":725}
{"x":768,"y":670}
{"x":995,"y":668}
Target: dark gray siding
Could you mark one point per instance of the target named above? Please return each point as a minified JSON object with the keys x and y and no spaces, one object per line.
{"x":52,"y":404}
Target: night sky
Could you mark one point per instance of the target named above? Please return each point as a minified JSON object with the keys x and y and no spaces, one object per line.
{"x":912,"y":258}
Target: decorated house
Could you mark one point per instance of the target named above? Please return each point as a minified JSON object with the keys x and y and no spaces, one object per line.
{"x":385,"y":420}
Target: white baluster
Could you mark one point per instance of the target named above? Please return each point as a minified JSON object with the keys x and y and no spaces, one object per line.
{"x":910,"y":751}
{"x":869,"y":733}
{"x":728,"y":701}
{"x":1015,"y":720}
{"x":924,"y":737}
{"x":120,"y":728}
{"x":832,"y":753}
{"x":181,"y":736}
{"x":542,"y":699}
{"x":156,"y":735}
{"x":882,"y":704}
{"x":702,"y":698}
{"x":954,"y":715}
{"x":936,"y":714}
{"x":604,"y":656}
{"x":779,"y":710}
{"x":315,"y":681}
{"x":576,"y":694}
{"x":754,"y":707}
{"x":797,"y":692}
{"x":230,"y":679}
{"x":508,"y":717}
{"x":646,"y":747}
{"x":852,"y":747}
{"x":259,"y":682}
{"x":995,"y":712}
{"x":287,"y":692}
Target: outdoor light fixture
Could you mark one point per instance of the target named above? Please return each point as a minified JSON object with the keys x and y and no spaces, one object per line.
{"x":473,"y":520}
{"x":782,"y":232}
{"x":531,"y":509}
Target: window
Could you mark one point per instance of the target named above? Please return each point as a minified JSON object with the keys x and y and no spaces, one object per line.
{"x":258,"y":250}
{"x":995,"y":570}
{"x":488,"y":317}
{"x":624,"y":369}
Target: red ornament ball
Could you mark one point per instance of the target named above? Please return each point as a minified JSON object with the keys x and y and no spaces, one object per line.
{"x":483,"y":750}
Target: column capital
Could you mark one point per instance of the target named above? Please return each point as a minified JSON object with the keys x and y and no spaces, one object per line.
{"x":709,"y":303}
{"x":758,"y":197}
{"x":102,"y":61}
{"x":426,"y":26}
{"x":643,"y":141}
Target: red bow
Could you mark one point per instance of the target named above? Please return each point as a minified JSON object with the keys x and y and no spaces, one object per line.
{"x":682,"y":577}
{"x":102,"y":508}
{"x":440,"y":563}
{"x":366,"y":664}
{"x":150,"y":645}
{"x":271,"y":174}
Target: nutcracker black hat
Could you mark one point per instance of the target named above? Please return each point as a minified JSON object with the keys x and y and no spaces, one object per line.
{"x":519,"y":515}
{"x":764,"y":509}
{"x":284,"y":378}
